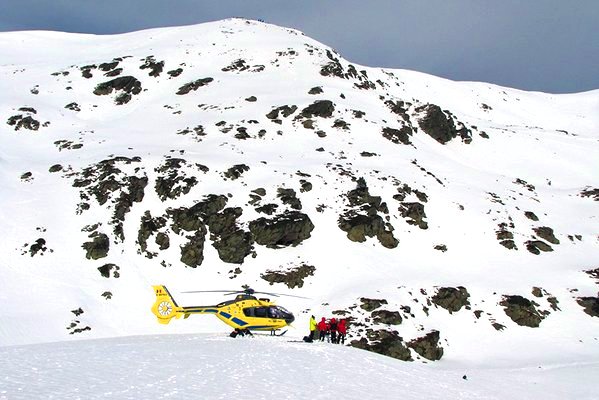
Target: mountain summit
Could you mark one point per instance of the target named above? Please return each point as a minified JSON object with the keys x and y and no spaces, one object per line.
{"x":453,"y":220}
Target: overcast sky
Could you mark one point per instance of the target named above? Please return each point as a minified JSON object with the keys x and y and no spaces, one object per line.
{"x":546,"y":45}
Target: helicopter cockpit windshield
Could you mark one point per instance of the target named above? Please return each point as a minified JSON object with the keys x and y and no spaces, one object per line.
{"x":276,"y":312}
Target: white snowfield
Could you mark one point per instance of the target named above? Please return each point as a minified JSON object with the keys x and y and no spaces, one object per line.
{"x":530,"y":153}
{"x":217,"y":367}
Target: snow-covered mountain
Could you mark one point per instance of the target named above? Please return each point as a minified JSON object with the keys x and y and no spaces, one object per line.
{"x":444,"y":219}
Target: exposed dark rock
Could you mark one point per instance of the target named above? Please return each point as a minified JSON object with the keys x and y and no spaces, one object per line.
{"x":320,"y":108}
{"x":362,"y":220}
{"x":241,"y":65}
{"x":163,"y":241}
{"x":192,"y":253}
{"x":440,"y":247}
{"x":108,"y":66}
{"x":590,"y":192}
{"x":292,"y":277}
{"x":55,"y":168}
{"x":268,"y":209}
{"x":260,"y":191}
{"x":236,"y":171}
{"x":593,"y":273}
{"x":148,"y":227}
{"x":315,"y":90}
{"x":114,"y":72}
{"x":251,"y":99}
{"x":530,"y":215}
{"x":522,"y":311}
{"x":27,"y":176}
{"x":107,"y":295}
{"x":154,"y":66}
{"x":428,"y":346}
{"x":73,"y":106}
{"x":388,"y":343}
{"x":306,"y":186}
{"x":287,"y":229}
{"x":386,"y":317}
{"x":289,"y":197}
{"x":106,"y":269}
{"x":284,"y":111}
{"x":414,"y":214}
{"x":401,"y":135}
{"x":546,"y":233}
{"x":536,"y":246}
{"x":527,"y":185}
{"x":27,"y":122}
{"x":171,"y":181}
{"x":195,"y":85}
{"x":128,"y":85}
{"x":590,"y":305}
{"x":440,"y":125}
{"x":371,"y":304}
{"x":98,"y":247}
{"x":452,"y":299}
{"x":175,"y":72}
{"x":341,"y":124}
{"x":38,"y":247}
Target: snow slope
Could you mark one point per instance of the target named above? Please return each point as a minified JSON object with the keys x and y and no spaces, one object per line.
{"x":523,"y":152}
{"x":217,"y":367}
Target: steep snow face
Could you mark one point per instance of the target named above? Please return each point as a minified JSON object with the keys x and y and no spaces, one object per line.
{"x":216,"y":367}
{"x":451,"y":219}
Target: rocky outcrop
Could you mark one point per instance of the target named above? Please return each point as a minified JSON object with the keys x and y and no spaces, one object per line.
{"x":287,"y":229}
{"x":452,"y":299}
{"x":371,"y":304}
{"x":98,"y":247}
{"x":386,"y":317}
{"x":361,"y":219}
{"x":106,"y":269}
{"x":546,"y":233}
{"x":320,"y":108}
{"x":414,"y":214}
{"x":384,"y":342}
{"x":126,"y":85}
{"x":292,"y":277}
{"x":590,"y":305}
{"x":193,"y":86}
{"x":428,"y":346}
{"x":522,"y":311}
{"x":440,"y":125}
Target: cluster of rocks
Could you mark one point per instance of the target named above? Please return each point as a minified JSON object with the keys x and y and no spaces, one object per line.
{"x":241,"y":65}
{"x":25,"y":120}
{"x":335,"y":69}
{"x":126,"y":86}
{"x":292,"y":277}
{"x":154,"y":66}
{"x":522,"y":311}
{"x":74,"y":326}
{"x":172,"y":181}
{"x":105,"y":181}
{"x":441,"y":125}
{"x":194,"y":85}
{"x":361,"y":218}
{"x":452,"y":298}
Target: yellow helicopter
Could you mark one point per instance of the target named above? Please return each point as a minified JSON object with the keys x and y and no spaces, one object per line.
{"x":244,"y":313}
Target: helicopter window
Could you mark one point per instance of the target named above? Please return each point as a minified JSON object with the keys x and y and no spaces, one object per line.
{"x":248,"y":312}
{"x":261,"y":312}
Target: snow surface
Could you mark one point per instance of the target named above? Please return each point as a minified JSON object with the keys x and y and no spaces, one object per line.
{"x":217,"y":367}
{"x":549,"y":141}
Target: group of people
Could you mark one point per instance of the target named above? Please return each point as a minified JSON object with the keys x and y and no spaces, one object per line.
{"x":332,"y":331}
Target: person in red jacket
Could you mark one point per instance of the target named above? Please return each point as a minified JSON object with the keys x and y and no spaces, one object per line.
{"x":333,"y":327}
{"x":322,"y":329}
{"x":342,"y":328}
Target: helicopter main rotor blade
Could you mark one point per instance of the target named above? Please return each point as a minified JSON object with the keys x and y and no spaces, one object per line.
{"x":214,"y":291}
{"x":283,"y":294}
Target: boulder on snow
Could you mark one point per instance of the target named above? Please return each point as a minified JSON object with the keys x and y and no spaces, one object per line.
{"x":287,"y":229}
{"x":427,"y":346}
{"x":292,"y":277}
{"x":522,"y":311}
{"x":452,"y":299}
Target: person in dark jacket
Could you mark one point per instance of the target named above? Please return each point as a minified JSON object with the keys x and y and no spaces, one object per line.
{"x":322,"y":329}
{"x":342,"y":328}
{"x":333,"y":328}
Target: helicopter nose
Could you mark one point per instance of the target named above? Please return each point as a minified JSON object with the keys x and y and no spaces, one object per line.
{"x":289,"y":319}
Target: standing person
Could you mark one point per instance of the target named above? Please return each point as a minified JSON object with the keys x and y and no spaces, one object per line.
{"x":333,"y":330}
{"x":312,"y":327}
{"x":342,"y":328}
{"x":322,"y":329}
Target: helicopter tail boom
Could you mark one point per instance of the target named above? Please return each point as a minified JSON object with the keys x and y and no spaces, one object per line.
{"x":165,"y":307}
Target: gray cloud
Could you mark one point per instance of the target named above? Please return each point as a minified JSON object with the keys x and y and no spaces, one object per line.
{"x":547,"y":45}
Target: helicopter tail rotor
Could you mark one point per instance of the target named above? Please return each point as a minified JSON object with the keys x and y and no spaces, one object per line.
{"x":165,"y":308}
